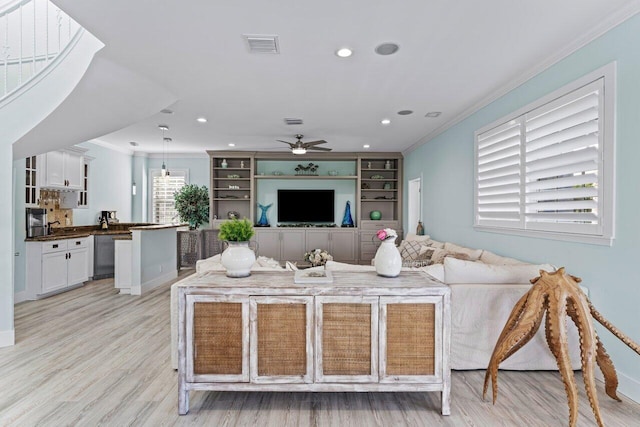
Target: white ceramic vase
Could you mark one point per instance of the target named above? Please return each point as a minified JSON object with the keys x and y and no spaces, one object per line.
{"x":238,"y":259}
{"x":388,"y":261}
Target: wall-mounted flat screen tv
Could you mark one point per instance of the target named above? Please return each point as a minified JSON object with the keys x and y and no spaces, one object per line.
{"x":306,"y":206}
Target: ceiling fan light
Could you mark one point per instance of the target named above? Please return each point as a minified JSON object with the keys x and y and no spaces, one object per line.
{"x":298,"y":150}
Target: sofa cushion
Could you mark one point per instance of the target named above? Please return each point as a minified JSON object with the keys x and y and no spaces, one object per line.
{"x":434,"y":272}
{"x":458,"y":271}
{"x":434,"y":244}
{"x":490,"y":258}
{"x":213,"y":264}
{"x":474,"y":254}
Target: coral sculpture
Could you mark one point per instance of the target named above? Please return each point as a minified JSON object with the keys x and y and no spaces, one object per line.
{"x":558,"y":294}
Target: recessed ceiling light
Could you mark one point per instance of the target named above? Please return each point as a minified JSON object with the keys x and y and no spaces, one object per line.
{"x":345,"y":52}
{"x":385,"y":122}
{"x":387,"y":49}
{"x":133,"y":143}
{"x":166,"y":111}
{"x":366,"y":146}
{"x":231,"y":144}
{"x":433,"y":114}
{"x":405,"y":112}
{"x":201,"y":120}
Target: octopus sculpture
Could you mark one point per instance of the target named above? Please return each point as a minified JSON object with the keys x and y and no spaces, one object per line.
{"x":559,"y":295}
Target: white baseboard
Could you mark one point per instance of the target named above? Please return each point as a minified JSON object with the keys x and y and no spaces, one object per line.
{"x":627,"y":386}
{"x":19,"y":297}
{"x":7,"y":338}
{"x":151,"y":284}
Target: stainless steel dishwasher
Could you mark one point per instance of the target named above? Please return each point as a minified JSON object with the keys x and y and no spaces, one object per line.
{"x":103,"y":256}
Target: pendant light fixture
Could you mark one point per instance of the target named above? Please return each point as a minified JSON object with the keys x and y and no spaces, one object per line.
{"x":164,"y":171}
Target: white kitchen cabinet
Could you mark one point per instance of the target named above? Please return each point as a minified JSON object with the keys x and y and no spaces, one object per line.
{"x":63,"y":169}
{"x":56,"y":265}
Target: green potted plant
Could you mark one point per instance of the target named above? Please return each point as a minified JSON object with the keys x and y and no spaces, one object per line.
{"x":192,"y":204}
{"x":237,"y":258}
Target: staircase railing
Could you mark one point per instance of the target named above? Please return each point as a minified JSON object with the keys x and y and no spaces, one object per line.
{"x":32,"y":34}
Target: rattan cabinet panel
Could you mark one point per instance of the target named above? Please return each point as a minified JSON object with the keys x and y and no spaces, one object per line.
{"x":218,"y":337}
{"x":281,"y":340}
{"x":346,"y":339}
{"x":410,"y":334}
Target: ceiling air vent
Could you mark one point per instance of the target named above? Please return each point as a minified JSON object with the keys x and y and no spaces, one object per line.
{"x":290,"y":121}
{"x":262,"y":43}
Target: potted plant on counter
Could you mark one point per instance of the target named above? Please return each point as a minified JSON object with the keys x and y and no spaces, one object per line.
{"x":192,"y":204}
{"x":238,"y":257}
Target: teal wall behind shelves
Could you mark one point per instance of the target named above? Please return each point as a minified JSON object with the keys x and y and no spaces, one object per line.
{"x":446,"y":164}
{"x":267,"y":192}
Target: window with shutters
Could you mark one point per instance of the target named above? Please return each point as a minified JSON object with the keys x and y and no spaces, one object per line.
{"x":163,"y":188}
{"x":547,"y":170}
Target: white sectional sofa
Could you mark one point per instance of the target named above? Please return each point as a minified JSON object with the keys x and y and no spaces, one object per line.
{"x":483,"y":293}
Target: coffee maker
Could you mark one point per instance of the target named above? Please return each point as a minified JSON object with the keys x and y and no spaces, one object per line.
{"x":36,"y":222}
{"x":107,"y":218}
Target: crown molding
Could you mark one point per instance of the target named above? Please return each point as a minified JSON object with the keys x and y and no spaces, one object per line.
{"x":597,"y":31}
{"x":177,"y":155}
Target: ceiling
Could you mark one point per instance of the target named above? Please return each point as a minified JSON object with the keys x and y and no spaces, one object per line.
{"x":453,"y":57}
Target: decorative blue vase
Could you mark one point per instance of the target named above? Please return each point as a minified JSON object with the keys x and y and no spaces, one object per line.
{"x":347,"y":221}
{"x":263,"y":222}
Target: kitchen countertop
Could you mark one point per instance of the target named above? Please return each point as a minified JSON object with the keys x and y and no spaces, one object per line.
{"x":120,"y":229}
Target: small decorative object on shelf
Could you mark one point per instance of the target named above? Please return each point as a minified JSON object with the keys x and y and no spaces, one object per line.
{"x":224,"y":164}
{"x":375,"y":215}
{"x":386,"y":186}
{"x":347,"y":220}
{"x":420,"y":229}
{"x":317,"y":257}
{"x":233,"y":176}
{"x":333,"y":173}
{"x":365,"y":186}
{"x":387,"y":164}
{"x":263,"y":222}
{"x":388,"y":261}
{"x":310,"y":169}
{"x":238,"y":257}
{"x":368,"y":165}
{"x":233,"y":214}
{"x":377,"y":177}
{"x":242,"y":164}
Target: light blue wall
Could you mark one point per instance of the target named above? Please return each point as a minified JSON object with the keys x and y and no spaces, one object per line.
{"x":110,"y":179}
{"x":6,"y":243}
{"x":610,"y":273}
{"x":140,"y":177}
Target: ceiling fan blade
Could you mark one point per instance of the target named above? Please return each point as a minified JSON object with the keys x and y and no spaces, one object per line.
{"x":310,"y":143}
{"x":319,"y":148}
{"x":291,"y":144}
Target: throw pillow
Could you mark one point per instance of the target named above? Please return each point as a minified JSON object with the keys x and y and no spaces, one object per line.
{"x":434,"y":244}
{"x":410,"y":237}
{"x":412,"y":250}
{"x":474,"y":254}
{"x":491,"y":258}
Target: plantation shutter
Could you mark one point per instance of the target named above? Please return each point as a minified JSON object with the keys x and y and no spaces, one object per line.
{"x":163,"y":189}
{"x":563,"y":160}
{"x":498,"y":176}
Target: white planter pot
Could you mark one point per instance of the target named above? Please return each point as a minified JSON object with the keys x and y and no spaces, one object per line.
{"x":238,"y":259}
{"x":388,"y":261}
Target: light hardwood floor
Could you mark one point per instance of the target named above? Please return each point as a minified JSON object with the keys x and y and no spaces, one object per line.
{"x":91,"y":357}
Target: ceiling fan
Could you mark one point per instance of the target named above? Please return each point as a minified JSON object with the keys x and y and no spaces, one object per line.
{"x":300,"y":147}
